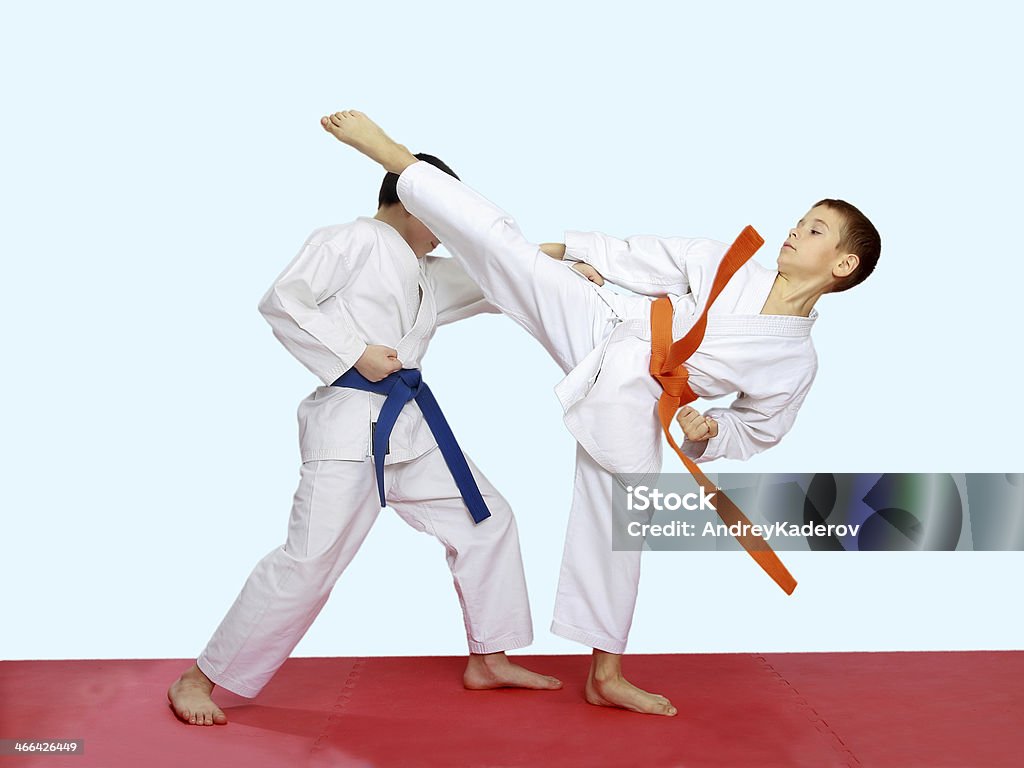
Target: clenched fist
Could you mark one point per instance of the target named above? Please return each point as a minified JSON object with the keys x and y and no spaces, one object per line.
{"x":696,"y":426}
{"x":378,"y":362}
{"x":589,"y":272}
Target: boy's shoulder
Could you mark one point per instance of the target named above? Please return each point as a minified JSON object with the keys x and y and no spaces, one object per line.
{"x":362,"y":228}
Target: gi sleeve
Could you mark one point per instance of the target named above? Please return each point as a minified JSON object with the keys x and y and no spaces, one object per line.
{"x":751,"y":424}
{"x":456,"y":295}
{"x":644,"y":264}
{"x":298,"y":309}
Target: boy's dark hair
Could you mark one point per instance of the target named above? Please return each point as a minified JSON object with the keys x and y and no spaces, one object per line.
{"x":857,"y":235}
{"x":389,"y":187}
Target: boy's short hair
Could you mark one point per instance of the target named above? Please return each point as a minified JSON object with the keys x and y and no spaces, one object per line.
{"x":857,"y":235}
{"x":389,"y":187}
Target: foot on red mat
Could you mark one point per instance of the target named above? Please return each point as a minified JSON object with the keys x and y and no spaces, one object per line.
{"x":494,"y":670}
{"x":606,"y":687}
{"x":190,"y":699}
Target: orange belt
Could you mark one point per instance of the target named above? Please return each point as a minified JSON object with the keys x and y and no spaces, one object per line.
{"x":667,"y":367}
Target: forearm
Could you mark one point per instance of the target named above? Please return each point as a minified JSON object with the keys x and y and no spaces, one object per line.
{"x":554,"y":250}
{"x":302,"y":306}
{"x":326,"y":346}
{"x":647,"y":265}
{"x":743,"y":432}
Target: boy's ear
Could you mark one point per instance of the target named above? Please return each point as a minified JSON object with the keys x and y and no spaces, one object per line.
{"x":847,"y":266}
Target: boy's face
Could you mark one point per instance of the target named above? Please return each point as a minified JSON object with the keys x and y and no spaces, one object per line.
{"x":420,"y":239}
{"x":811,"y":250}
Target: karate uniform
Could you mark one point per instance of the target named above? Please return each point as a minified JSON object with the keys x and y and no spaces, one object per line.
{"x":601,"y":340}
{"x":352,"y":285}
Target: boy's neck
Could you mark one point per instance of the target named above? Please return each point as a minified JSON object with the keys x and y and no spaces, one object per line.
{"x":788,"y":297}
{"x":393,"y":216}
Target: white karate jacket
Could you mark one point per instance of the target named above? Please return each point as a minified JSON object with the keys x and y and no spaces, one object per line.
{"x":352,"y":285}
{"x":768,"y":360}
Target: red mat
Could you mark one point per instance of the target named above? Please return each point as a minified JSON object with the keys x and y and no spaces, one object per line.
{"x":849,"y":709}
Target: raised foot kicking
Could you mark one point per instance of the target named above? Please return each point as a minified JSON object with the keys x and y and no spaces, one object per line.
{"x":360,"y":132}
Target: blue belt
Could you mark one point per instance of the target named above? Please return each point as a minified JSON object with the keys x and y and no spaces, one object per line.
{"x":399,"y":388}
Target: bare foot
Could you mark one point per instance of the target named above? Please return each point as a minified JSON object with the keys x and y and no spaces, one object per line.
{"x":606,"y":687}
{"x":494,"y":670}
{"x":190,"y":699}
{"x":360,"y":132}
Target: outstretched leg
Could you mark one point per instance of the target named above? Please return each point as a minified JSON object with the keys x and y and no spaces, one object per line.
{"x":334,"y":507}
{"x":556,"y":305}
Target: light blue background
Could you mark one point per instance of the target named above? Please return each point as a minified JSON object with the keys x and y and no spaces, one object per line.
{"x":161,"y":165}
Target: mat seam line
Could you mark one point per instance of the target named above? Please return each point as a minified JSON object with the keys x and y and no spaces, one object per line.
{"x":339,"y":706}
{"x":841,"y":746}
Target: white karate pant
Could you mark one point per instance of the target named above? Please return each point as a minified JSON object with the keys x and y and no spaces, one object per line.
{"x":334,"y":508}
{"x":597,"y":586}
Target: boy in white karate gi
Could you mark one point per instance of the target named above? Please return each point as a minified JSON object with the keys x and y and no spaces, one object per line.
{"x":366,"y":295}
{"x":757,"y":344}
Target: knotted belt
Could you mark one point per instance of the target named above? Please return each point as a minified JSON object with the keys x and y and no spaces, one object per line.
{"x":667,"y":367}
{"x":399,"y":388}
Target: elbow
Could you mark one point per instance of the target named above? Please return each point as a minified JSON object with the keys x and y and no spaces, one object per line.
{"x":270,"y":305}
{"x":740,"y":442}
